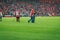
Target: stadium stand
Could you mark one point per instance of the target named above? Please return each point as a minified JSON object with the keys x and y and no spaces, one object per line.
{"x":42,"y":7}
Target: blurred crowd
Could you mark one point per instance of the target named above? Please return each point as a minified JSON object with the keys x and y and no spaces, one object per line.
{"x":42,"y":7}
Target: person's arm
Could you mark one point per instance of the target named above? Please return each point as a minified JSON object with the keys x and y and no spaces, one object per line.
{"x":30,"y":13}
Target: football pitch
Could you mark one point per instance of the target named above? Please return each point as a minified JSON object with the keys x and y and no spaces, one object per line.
{"x":44,"y":28}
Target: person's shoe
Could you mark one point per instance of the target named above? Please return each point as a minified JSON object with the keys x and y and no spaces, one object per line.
{"x":28,"y":21}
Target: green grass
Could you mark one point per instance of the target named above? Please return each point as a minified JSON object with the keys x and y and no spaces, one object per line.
{"x":44,"y":28}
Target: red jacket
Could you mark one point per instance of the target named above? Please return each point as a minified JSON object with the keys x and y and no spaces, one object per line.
{"x":17,"y":12}
{"x":32,"y":12}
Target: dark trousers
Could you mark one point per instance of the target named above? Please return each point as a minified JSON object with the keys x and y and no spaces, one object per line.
{"x":0,"y":18}
{"x":18,"y":19}
{"x":32,"y":19}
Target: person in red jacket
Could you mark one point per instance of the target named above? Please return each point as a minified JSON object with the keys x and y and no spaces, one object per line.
{"x":17,"y":12}
{"x":1,"y":14}
{"x":32,"y":15}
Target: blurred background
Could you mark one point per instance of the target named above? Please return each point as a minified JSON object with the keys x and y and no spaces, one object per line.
{"x":42,"y":7}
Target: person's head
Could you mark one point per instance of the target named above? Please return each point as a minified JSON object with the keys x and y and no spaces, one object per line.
{"x":32,"y":9}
